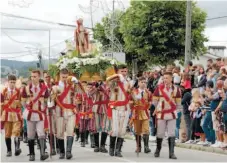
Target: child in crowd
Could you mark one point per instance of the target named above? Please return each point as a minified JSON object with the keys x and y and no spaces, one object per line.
{"x":196,"y":115}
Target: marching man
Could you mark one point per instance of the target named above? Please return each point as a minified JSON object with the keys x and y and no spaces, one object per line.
{"x":11,"y":115}
{"x":85,"y":111}
{"x":140,"y":114}
{"x":51,"y":117}
{"x":167,"y":100}
{"x":100,"y":121}
{"x":118,"y":109}
{"x":34,"y":98}
{"x":63,"y":95}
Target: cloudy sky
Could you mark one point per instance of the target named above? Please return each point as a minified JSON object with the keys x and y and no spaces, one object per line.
{"x":20,"y":44}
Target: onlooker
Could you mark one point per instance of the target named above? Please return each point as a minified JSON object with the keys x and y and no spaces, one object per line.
{"x":195,"y":112}
{"x":202,"y":80}
{"x":186,"y":100}
{"x":209,"y":63}
{"x":207,"y":124}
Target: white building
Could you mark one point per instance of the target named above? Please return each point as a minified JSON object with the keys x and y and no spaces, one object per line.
{"x":213,"y":52}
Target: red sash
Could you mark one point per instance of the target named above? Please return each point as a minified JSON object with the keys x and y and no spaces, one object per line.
{"x":40,"y":115}
{"x":60,"y":99}
{"x":144,"y":107}
{"x":166,"y":97}
{"x":113,"y":104}
{"x":30,"y":106}
{"x":7,"y":108}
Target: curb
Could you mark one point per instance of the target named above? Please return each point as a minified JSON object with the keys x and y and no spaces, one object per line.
{"x":192,"y":146}
{"x":202,"y":148}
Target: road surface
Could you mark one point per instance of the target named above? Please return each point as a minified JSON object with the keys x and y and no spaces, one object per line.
{"x":87,"y":155}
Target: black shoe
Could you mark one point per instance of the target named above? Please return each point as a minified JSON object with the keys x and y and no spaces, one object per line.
{"x":69,"y":147}
{"x":92,"y":139}
{"x":62,"y":156}
{"x":118,"y":147}
{"x":58,"y":151}
{"x":31,"y":146}
{"x":43,"y":154}
{"x":32,"y":157}
{"x":103,"y":149}
{"x":96,"y":138}
{"x":25,"y":140}
{"x":159,"y":147}
{"x":138,"y":144}
{"x":17,"y":146}
{"x":61,"y":143}
{"x":77,"y":131}
{"x":8,"y":145}
{"x":171,"y":142}
{"x":82,"y":136}
{"x":112,"y":145}
{"x":86,"y":136}
{"x":146,"y":144}
{"x":103,"y":143}
{"x":9,"y":154}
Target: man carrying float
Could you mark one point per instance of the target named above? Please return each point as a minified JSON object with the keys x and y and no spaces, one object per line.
{"x":118,"y":108}
{"x":63,"y":95}
{"x":141,"y":101}
{"x":100,"y":121}
{"x":11,"y":110}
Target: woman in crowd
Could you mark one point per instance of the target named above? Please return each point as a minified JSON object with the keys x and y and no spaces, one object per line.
{"x":194,"y":108}
{"x":201,"y":80}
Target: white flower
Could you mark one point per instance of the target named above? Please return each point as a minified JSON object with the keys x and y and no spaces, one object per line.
{"x":112,"y":62}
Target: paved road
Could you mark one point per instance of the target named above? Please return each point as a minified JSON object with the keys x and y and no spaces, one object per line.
{"x":87,"y":155}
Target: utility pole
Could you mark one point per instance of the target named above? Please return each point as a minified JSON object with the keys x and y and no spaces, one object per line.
{"x":188,"y":56}
{"x":112,"y":29}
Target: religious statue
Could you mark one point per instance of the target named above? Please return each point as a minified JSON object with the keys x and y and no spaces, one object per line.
{"x":81,"y":38}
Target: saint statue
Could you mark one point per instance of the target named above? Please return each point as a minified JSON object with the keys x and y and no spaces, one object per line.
{"x":81,"y":38}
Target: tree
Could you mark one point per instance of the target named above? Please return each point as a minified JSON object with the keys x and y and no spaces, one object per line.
{"x":155,"y":30}
{"x":101,"y":35}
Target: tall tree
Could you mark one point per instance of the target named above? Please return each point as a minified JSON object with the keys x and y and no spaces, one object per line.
{"x":100,"y":35}
{"x":155,"y":30}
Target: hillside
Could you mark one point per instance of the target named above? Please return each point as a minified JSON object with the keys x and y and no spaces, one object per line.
{"x":7,"y":66}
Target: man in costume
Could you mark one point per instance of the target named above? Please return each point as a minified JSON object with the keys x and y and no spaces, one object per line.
{"x":11,"y":115}
{"x":100,"y":121}
{"x":141,"y":99}
{"x":85,"y":111}
{"x":63,"y":96}
{"x":52,"y":130}
{"x":118,"y":109}
{"x":34,"y":98}
{"x":167,"y":100}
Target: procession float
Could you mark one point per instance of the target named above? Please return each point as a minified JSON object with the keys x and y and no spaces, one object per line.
{"x":84,"y":60}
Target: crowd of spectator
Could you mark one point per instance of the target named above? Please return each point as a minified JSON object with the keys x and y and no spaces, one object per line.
{"x":203,"y":117}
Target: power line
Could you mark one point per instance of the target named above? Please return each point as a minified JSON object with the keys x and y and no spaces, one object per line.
{"x":16,"y":56}
{"x":28,"y":43}
{"x":214,"y":18}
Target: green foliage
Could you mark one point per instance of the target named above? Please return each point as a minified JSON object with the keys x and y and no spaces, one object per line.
{"x":53,"y":70}
{"x":155,"y":30}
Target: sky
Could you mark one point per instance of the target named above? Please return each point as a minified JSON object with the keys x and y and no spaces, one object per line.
{"x":68,"y":11}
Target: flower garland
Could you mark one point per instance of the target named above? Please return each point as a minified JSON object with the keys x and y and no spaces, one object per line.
{"x":78,"y":65}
